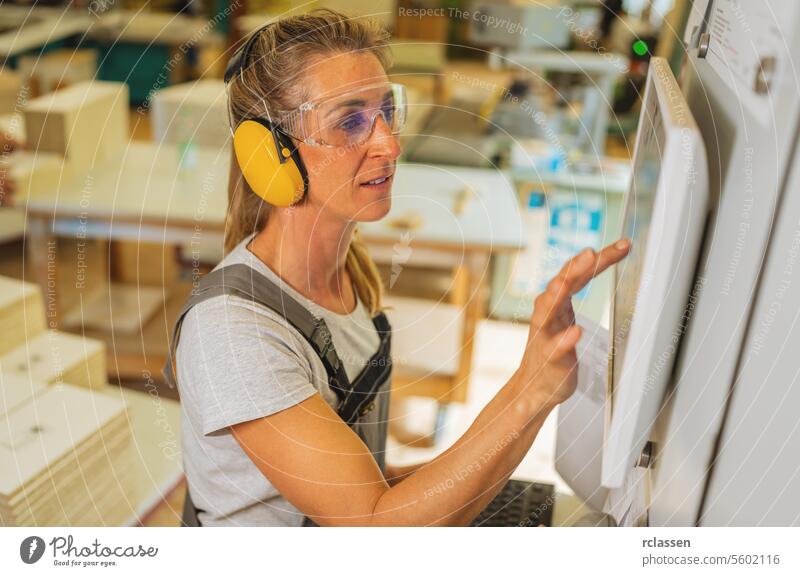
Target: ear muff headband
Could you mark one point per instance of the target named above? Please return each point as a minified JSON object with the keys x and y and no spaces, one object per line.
{"x":269,"y":160}
{"x":239,"y":59}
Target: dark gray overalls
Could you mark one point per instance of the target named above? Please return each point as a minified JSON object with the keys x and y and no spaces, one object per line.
{"x":355,"y":399}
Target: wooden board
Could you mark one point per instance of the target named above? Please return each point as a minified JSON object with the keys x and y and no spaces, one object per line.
{"x":106,"y":441}
{"x":157,"y":447}
{"x":16,"y":391}
{"x":39,"y":26}
{"x":118,"y":308}
{"x":129,"y":356}
{"x":426,"y":335}
{"x":93,"y":455}
{"x":22,"y":313}
{"x":86,"y":490}
{"x":195,"y":111}
{"x":87,"y":123}
{"x":111,"y":478}
{"x":58,"y":357}
{"x":57,"y":69}
{"x":152,"y":27}
{"x":48,"y":429}
{"x":72,"y":489}
{"x":144,"y":263}
{"x":36,"y":175}
{"x":81,"y":269}
{"x":10,"y":83}
{"x":145,"y":182}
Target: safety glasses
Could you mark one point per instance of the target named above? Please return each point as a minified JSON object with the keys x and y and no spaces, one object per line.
{"x":347,"y":119}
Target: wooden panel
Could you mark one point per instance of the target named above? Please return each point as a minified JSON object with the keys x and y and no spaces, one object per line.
{"x":80,"y":270}
{"x":58,"y":357}
{"x":145,"y":263}
{"x":192,"y":111}
{"x":10,"y":83}
{"x":17,"y":392}
{"x":426,"y":335}
{"x":88,"y":459}
{"x":21,"y":313}
{"x":87,"y":123}
{"x":132,"y":355}
{"x":57,"y":69}
{"x":70,"y":449}
{"x":35,"y":175}
{"x":118,"y":308}
{"x":54,"y":424}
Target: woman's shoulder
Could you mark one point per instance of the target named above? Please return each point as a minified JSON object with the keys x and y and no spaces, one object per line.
{"x":225,"y":325}
{"x":236,"y":361}
{"x":235,"y":316}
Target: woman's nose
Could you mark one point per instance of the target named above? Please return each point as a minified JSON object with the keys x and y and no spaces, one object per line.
{"x":382,"y":142}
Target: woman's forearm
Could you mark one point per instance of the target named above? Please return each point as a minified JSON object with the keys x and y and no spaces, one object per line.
{"x":454,"y":487}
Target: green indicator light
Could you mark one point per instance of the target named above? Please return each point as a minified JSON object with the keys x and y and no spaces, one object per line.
{"x":640,"y":47}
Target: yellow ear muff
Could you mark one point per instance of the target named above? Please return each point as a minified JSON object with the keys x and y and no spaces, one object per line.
{"x":281,"y":184}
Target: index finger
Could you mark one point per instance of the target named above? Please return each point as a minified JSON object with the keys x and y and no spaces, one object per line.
{"x":606,"y":258}
{"x":580,"y":269}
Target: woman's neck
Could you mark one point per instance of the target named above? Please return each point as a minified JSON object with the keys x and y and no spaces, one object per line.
{"x":309,"y":254}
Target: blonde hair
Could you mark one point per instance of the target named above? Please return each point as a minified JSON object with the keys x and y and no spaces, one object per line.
{"x":277,"y":59}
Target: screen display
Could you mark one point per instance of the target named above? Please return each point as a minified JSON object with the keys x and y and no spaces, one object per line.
{"x":636,"y":226}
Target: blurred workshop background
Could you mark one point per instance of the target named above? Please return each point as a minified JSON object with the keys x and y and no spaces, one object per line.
{"x":116,"y":145}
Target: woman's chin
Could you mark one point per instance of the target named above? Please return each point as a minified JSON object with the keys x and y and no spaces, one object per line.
{"x":376,"y":208}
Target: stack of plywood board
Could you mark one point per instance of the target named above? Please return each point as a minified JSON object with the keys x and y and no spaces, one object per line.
{"x":36,"y":175}
{"x":15,"y":392}
{"x":67,"y":450}
{"x":86,"y":123}
{"x":119,"y":308}
{"x":426,"y":335}
{"x":10,"y":84}
{"x":53,"y":357}
{"x":192,"y":111}
{"x":56,"y":69}
{"x":21,"y":313}
{"x":28,"y":351}
{"x":67,"y":458}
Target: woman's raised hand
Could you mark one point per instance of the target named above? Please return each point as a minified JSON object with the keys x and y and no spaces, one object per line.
{"x":549,"y":366}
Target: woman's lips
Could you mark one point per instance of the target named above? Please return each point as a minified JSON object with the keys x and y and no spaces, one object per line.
{"x":380,"y":182}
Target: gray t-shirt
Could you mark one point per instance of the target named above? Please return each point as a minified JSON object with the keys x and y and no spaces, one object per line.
{"x":236,"y":362}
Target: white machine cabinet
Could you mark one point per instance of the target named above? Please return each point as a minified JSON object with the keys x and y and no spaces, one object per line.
{"x":724,"y":447}
{"x":726,"y":450}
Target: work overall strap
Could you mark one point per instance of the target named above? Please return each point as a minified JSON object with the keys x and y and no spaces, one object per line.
{"x":355,"y":400}
{"x":360,"y":398}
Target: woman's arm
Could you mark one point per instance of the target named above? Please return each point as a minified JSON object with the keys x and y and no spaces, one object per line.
{"x":320,"y":465}
{"x":394,"y":474}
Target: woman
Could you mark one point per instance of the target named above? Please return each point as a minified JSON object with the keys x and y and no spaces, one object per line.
{"x":265,"y":441}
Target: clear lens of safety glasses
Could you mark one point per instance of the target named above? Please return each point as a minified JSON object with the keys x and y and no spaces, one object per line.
{"x":348,"y":119}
